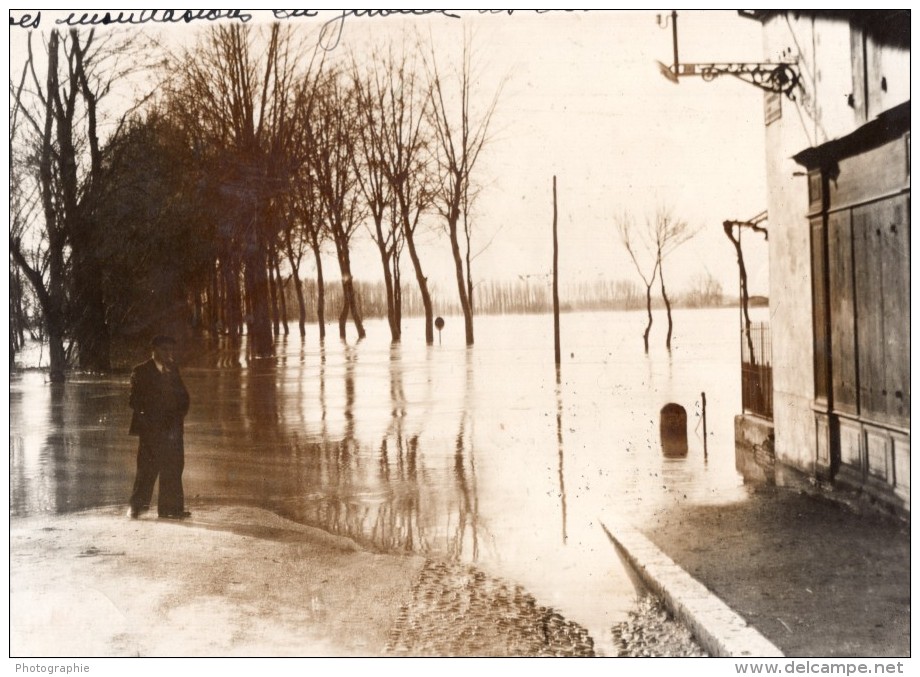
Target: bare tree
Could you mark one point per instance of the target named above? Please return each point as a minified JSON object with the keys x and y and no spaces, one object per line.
{"x":43,"y":263}
{"x":332,"y":147}
{"x":307,"y":210}
{"x":639,"y":246}
{"x":371,"y":88}
{"x":236,"y":93}
{"x":460,"y":134}
{"x":58,"y":121}
{"x":403,"y":151}
{"x":669,"y":234}
{"x":729,"y":228}
{"x":294,"y":241}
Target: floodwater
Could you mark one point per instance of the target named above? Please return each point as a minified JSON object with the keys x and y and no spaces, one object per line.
{"x":483,"y":455}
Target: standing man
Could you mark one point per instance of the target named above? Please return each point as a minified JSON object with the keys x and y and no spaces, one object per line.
{"x":159,"y":402}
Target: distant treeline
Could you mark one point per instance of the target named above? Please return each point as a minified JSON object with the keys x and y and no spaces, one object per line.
{"x":496,"y":297}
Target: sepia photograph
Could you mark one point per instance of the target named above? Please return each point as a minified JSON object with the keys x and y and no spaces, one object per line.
{"x":428,"y":333}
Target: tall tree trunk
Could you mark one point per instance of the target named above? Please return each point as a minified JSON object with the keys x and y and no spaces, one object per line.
{"x":301,"y":304}
{"x":742,"y":276}
{"x":282,"y":298}
{"x":667,"y":305}
{"x":320,"y":293}
{"x":51,"y":299}
{"x":422,"y":287}
{"x":213,"y":300}
{"x":385,"y":256}
{"x":273,"y":293}
{"x":648,"y":308}
{"x":90,"y":328}
{"x":349,"y":303}
{"x":461,"y":278}
{"x":343,"y":315}
{"x":257,"y":294}
{"x":469,"y":269}
{"x":397,"y":292}
{"x":298,"y":285}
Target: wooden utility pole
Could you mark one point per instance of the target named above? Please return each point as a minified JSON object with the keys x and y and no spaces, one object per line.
{"x":556,"y":278}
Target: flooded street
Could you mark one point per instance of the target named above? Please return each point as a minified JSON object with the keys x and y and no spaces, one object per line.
{"x":477,"y":455}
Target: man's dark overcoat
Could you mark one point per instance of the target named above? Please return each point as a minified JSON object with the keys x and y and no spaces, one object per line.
{"x":159,"y":403}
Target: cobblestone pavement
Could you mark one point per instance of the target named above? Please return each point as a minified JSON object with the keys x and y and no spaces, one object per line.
{"x":649,"y":631}
{"x":457,"y":610}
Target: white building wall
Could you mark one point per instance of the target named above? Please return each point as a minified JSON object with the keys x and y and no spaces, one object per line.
{"x":790,"y":263}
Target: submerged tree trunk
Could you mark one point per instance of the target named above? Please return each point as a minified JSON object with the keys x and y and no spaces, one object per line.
{"x":273,"y":296}
{"x":461,"y":278}
{"x":301,"y":305}
{"x":90,"y":327}
{"x":51,"y":299}
{"x":294,"y":260}
{"x":397,"y":292}
{"x":667,"y":304}
{"x":320,"y":293}
{"x":213,"y":300}
{"x":233,"y":301}
{"x":349,"y":302}
{"x":386,"y":255}
{"x":422,"y":287}
{"x":648,"y":308}
{"x":282,"y":297}
{"x":257,"y":296}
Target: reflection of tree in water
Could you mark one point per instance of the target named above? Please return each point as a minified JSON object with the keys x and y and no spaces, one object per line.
{"x":338,"y":505}
{"x":394,"y":503}
{"x":30,"y":485}
{"x":396,"y":524}
{"x":70,"y":439}
{"x":260,"y":384}
{"x":59,"y":446}
{"x":468,"y":508}
{"x":223,"y":352}
{"x":561,"y":446}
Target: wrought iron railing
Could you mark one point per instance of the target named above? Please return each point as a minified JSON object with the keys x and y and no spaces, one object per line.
{"x":757,"y":370}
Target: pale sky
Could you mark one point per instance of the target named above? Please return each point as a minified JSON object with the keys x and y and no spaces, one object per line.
{"x":584,"y":100}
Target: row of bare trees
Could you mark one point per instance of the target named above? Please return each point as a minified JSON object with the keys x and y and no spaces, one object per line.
{"x":58,"y":185}
{"x":199,"y":201}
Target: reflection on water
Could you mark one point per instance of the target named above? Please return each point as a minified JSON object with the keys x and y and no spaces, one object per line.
{"x":561,"y":444}
{"x":485,"y":454}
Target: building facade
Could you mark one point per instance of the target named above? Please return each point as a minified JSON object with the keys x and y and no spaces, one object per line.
{"x":838,"y":182}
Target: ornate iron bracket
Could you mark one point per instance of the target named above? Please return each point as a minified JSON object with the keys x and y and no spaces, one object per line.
{"x":782,"y":78}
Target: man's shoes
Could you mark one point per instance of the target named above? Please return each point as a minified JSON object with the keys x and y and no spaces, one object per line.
{"x":134,"y":513}
{"x":176,"y":515}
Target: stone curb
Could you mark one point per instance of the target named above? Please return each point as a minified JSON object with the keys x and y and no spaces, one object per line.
{"x":718,"y":629}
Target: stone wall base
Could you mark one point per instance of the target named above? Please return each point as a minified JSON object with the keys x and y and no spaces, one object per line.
{"x":755,"y":454}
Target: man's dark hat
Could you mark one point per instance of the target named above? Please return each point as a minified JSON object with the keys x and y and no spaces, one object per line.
{"x":162,"y":340}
